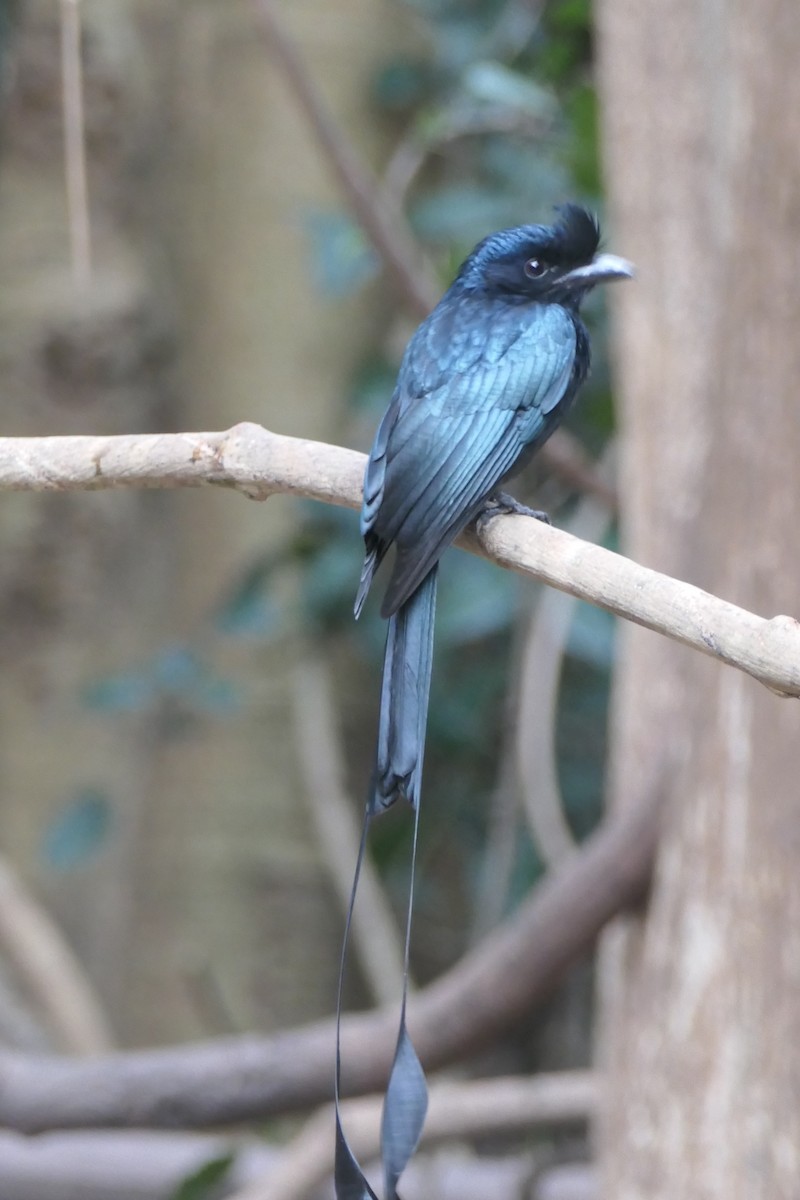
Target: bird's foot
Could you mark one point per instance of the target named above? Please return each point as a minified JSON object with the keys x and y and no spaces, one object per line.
{"x":501,"y":505}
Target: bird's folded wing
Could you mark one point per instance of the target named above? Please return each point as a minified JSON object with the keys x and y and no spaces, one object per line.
{"x":449,"y":450}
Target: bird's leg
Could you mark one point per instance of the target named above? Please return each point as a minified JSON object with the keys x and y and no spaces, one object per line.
{"x":502,"y":504}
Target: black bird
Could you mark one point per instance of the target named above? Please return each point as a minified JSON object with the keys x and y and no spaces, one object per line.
{"x":483,"y":383}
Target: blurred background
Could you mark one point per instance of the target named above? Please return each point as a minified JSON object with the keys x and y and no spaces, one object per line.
{"x":184,"y":693}
{"x":152,"y":731}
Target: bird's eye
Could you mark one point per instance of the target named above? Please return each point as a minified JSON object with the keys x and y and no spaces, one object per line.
{"x":534,"y":268}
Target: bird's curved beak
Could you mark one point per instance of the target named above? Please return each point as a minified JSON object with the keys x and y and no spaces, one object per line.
{"x":602,"y":269}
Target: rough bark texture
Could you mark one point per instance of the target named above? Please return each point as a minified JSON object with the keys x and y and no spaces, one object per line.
{"x":702,"y":1020}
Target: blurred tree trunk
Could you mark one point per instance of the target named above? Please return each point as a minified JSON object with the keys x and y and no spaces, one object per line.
{"x":701,"y":1012}
{"x":240,"y":896}
{"x":170,"y":841}
{"x":82,"y":582}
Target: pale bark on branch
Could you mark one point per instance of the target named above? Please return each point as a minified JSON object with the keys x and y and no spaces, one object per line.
{"x":130,"y":1164}
{"x":260,"y":464}
{"x":227,"y":1080}
{"x":476,"y":1108}
{"x":235,"y":1079}
{"x":151,"y":1164}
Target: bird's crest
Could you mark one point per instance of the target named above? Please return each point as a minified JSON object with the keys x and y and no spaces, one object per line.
{"x":576,"y":234}
{"x":571,"y":241}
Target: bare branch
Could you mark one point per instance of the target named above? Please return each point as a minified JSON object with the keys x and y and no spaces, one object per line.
{"x":239,"y":1078}
{"x":767,"y":649}
{"x":479,"y":1108}
{"x":49,"y":971}
{"x":576,"y":1181}
{"x":131,"y":1164}
{"x":259,"y":463}
{"x":500,"y":842}
{"x":150,"y":1165}
{"x":75,"y":141}
{"x":246,"y":458}
{"x":542,"y":658}
{"x":383,"y":223}
{"x":234,"y":1079}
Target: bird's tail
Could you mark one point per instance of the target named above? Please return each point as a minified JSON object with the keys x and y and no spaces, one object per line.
{"x":405,"y":690}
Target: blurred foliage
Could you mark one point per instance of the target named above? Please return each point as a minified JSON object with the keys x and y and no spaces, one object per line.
{"x":492,"y":125}
{"x":177,"y":676}
{"x":209,"y":1182}
{"x":342,"y":258}
{"x":79,"y":830}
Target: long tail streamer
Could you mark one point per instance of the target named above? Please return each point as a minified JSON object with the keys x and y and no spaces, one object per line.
{"x":406,"y":1100}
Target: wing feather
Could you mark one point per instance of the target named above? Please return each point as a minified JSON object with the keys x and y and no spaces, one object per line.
{"x":441,"y":451}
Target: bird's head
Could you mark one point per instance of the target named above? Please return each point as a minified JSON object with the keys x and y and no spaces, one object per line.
{"x":556,"y":263}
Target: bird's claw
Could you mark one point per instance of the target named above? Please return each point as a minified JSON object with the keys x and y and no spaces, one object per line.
{"x":502,"y":505}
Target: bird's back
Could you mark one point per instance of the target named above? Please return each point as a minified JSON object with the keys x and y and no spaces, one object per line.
{"x":482,"y":384}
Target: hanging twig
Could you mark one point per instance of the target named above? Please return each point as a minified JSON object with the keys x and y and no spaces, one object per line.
{"x":383,"y":223}
{"x":542,"y":658}
{"x":501,"y":839}
{"x":75,"y":142}
{"x":49,"y":971}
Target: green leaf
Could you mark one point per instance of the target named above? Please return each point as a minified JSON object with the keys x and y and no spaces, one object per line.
{"x":475,"y":600}
{"x":130,"y":691}
{"x":493,"y":83}
{"x":249,"y":610}
{"x":583,"y":155}
{"x":206,"y":1183}
{"x":79,"y":831}
{"x":182,"y":674}
{"x":571,"y":16}
{"x":402,"y":85}
{"x":591,"y":636}
{"x":341,"y":257}
{"x":535,"y":180}
{"x":462,"y":212}
{"x":177,"y":668}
